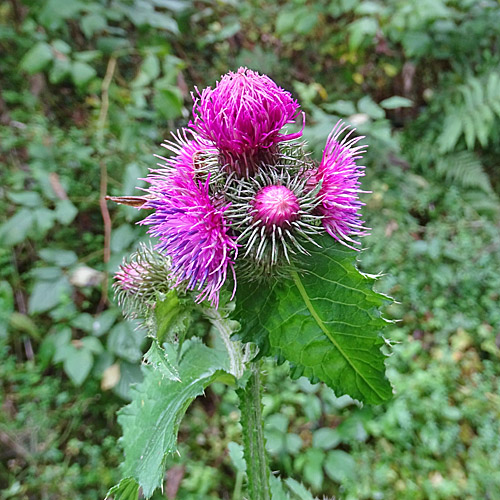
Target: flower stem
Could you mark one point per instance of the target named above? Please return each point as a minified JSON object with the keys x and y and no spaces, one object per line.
{"x":253,"y":437}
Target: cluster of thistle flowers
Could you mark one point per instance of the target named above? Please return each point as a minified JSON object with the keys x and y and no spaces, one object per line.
{"x":240,"y":198}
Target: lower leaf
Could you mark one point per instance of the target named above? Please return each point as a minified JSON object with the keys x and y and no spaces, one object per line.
{"x":151,"y":421}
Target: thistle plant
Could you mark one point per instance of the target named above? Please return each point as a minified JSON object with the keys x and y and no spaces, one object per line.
{"x":259,"y":240}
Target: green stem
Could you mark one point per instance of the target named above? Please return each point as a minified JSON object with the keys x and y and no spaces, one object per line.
{"x":253,"y":437}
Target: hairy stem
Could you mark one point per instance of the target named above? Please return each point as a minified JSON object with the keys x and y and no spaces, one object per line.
{"x":253,"y":437}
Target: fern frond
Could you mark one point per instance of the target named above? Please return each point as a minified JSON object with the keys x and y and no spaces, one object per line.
{"x":472,"y":111}
{"x":465,"y":169}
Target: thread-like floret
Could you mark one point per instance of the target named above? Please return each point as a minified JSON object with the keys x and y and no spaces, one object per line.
{"x":276,"y":206}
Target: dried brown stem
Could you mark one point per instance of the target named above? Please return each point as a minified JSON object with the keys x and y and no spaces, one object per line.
{"x":101,"y":122}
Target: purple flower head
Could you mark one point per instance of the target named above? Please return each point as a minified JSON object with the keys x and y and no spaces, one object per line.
{"x":177,"y":171}
{"x":243,"y":116}
{"x":276,"y":206}
{"x":194,"y":233}
{"x":339,"y":176}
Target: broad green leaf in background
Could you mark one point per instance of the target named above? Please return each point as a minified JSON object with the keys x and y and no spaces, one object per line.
{"x":368,"y":106}
{"x":395,"y":102}
{"x":325,"y":321}
{"x":65,"y":211}
{"x":16,"y":229}
{"x":37,"y":58}
{"x":78,"y":363}
{"x":340,"y":466}
{"x":313,"y":467}
{"x":58,"y":256}
{"x":82,"y":73}
{"x":151,"y":422}
{"x":48,"y":294}
{"x":125,"y":340}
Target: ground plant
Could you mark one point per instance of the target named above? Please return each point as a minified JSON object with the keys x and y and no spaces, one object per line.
{"x":241,"y":206}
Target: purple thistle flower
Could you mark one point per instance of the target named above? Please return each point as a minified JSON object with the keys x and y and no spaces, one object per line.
{"x":243,"y":116}
{"x":177,"y":171}
{"x":193,"y":232}
{"x":276,"y":206}
{"x":339,"y":176}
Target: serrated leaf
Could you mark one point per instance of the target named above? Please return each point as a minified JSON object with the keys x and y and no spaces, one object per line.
{"x":162,"y":361}
{"x":325,"y":321}
{"x":298,"y":489}
{"x":126,"y":489}
{"x":151,"y":422}
{"x":277,"y":489}
{"x":236,"y":455}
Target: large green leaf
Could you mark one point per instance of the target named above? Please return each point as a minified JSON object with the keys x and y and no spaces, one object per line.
{"x":151,"y":421}
{"x":324,"y":320}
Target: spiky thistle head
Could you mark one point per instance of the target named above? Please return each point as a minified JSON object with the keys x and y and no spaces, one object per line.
{"x":339,"y":175}
{"x":241,"y":198}
{"x":141,"y":280}
{"x":273,"y":214}
{"x":193,"y":231}
{"x":243,"y":116}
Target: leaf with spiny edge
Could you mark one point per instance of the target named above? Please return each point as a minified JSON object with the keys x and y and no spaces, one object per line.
{"x":163,"y":360}
{"x":126,"y":489}
{"x":151,"y":421}
{"x":325,"y":321}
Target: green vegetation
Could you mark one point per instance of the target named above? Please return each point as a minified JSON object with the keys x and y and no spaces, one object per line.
{"x":87,"y":92}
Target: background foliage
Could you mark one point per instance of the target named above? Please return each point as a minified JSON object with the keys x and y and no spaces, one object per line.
{"x":89,"y":90}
